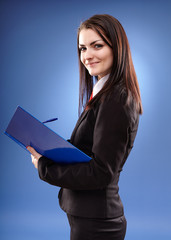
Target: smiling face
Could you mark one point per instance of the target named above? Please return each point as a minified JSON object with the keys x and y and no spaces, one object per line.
{"x":95,"y":54}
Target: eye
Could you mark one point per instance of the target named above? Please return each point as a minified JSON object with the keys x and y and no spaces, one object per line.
{"x":98,"y":46}
{"x":82,"y":49}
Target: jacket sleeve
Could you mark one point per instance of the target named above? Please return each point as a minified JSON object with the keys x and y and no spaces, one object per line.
{"x":109,"y":150}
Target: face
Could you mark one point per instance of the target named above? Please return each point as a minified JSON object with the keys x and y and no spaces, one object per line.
{"x":95,"y":54}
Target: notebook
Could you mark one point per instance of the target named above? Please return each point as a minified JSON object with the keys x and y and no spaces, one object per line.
{"x":26,"y":130}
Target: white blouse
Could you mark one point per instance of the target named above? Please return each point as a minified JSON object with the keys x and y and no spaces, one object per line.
{"x":99,"y":84}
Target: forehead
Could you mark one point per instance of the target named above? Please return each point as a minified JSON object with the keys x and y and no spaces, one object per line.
{"x":88,"y":36}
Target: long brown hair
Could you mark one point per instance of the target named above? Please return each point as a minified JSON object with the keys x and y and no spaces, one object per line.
{"x":122,"y":74}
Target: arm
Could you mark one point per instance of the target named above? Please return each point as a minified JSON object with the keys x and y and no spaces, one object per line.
{"x":109,"y":148}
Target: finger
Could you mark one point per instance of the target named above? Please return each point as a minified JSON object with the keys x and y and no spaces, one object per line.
{"x":34,"y":161}
{"x":33,"y":152}
{"x":32,"y":158}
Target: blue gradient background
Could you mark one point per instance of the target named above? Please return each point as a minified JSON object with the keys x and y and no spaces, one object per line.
{"x":39,"y":71}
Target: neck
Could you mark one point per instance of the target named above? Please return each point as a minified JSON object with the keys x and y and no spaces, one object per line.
{"x":103,"y":77}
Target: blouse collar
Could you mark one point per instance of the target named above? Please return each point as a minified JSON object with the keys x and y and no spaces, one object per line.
{"x":99,"y":84}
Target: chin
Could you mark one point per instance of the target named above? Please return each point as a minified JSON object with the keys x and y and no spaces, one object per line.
{"x":93,"y":73}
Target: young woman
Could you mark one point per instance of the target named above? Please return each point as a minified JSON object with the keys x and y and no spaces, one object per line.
{"x":105,"y":131}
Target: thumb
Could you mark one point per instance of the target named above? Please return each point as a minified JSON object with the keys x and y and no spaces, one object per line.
{"x":33,"y":152}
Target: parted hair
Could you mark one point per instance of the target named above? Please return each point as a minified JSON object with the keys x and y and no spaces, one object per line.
{"x":122,"y":75}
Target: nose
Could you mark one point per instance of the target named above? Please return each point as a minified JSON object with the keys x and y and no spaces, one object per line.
{"x":88,"y":55}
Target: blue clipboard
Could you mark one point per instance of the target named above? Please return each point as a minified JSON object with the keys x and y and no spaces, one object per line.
{"x":26,"y":130}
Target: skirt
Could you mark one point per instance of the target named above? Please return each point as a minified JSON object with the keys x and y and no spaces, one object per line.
{"x":97,"y":228}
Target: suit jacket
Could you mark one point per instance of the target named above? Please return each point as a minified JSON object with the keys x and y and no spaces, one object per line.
{"x":106,"y":133}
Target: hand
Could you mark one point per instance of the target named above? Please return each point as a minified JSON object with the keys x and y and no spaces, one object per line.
{"x":34,"y":155}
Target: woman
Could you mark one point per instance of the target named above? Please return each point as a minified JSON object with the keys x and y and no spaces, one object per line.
{"x":105,"y":131}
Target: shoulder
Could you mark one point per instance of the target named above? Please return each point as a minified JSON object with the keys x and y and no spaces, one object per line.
{"x":117,"y":105}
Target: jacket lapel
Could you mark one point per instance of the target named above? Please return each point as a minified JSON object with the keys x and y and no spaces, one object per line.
{"x":81,"y":118}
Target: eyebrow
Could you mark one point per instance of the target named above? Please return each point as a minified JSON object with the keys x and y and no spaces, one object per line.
{"x":91,"y":42}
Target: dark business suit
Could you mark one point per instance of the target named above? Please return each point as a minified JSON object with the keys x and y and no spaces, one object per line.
{"x":106,"y":133}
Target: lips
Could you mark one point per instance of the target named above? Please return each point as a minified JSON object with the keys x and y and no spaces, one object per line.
{"x":91,"y":64}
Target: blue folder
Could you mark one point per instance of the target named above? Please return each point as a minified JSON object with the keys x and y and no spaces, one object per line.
{"x":26,"y":130}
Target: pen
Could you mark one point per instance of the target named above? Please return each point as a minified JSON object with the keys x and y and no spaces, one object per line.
{"x":51,"y":120}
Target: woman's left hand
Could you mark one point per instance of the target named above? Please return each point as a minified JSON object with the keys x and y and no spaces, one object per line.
{"x":34,"y":155}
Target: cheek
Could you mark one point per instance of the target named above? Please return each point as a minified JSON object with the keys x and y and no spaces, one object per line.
{"x":107,"y":57}
{"x":81,"y":58}
{"x":110,"y":60}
